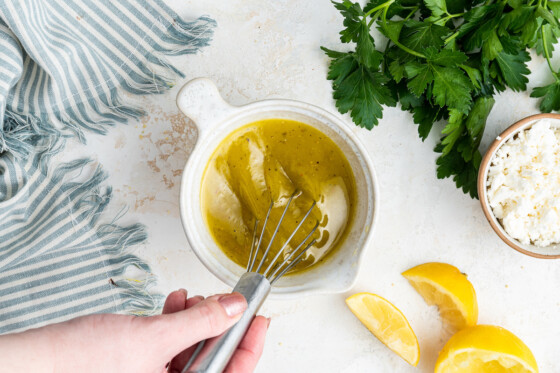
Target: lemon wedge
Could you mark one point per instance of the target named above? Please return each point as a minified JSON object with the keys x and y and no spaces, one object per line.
{"x":484,"y":349}
{"x":446,"y":287}
{"x":387,"y":323}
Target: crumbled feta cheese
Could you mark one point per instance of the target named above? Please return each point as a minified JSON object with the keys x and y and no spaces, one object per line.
{"x":524,"y":184}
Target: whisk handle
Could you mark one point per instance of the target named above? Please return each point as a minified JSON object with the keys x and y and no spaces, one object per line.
{"x":213,"y":354}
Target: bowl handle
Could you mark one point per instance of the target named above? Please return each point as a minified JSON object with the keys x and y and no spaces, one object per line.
{"x":200,"y":100}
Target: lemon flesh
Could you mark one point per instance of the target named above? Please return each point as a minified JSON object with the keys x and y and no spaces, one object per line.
{"x":387,"y":323}
{"x":485,"y":349}
{"x":445,"y":286}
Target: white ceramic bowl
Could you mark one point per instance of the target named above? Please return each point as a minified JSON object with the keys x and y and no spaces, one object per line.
{"x":200,"y":100}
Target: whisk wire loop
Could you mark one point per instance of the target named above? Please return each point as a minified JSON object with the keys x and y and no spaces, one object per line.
{"x":294,"y":263}
{"x":276,"y":269}
{"x":252,"y":261}
{"x":294,"y":251}
{"x":253,"y":242}
{"x":273,"y":261}
{"x":275,"y":231}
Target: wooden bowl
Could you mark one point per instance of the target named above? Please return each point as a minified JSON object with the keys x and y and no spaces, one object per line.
{"x":547,"y":252}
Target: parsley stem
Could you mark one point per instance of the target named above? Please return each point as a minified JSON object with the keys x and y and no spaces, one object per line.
{"x":387,"y":45}
{"x":412,"y":12}
{"x":451,"y":37}
{"x":373,"y":19}
{"x":450,"y":16}
{"x":384,"y":5}
{"x":396,"y":42}
{"x":546,"y":54}
{"x":385,"y":65}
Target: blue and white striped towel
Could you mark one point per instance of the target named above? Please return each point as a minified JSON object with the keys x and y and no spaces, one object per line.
{"x":63,"y":67}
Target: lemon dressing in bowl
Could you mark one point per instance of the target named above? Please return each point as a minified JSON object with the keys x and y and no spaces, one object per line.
{"x":267,"y":162}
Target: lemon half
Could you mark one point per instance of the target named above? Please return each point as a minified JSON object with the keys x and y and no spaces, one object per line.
{"x":485,"y":349}
{"x":446,"y":287}
{"x":387,"y":323}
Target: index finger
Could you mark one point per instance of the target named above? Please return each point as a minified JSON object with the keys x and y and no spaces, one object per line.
{"x":249,"y":351}
{"x":175,"y":301}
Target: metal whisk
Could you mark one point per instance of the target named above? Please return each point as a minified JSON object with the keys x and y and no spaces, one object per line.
{"x":212,"y":355}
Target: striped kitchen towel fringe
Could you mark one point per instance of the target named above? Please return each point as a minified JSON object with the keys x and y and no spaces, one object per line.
{"x":71,"y":60}
{"x":57,"y":258}
{"x":66,"y":67}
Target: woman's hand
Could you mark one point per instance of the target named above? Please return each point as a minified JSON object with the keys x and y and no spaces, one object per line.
{"x":249,"y":351}
{"x":118,"y":343}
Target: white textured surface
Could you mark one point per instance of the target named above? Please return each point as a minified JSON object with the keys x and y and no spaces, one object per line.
{"x":266,"y":49}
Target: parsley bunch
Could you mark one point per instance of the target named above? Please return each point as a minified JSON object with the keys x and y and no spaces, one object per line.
{"x":442,"y":61}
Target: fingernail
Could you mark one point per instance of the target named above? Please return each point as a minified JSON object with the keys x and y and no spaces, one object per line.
{"x":268,"y":322}
{"x":184,"y":291}
{"x":233,"y":303}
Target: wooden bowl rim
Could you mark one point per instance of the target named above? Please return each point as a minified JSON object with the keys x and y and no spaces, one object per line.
{"x":482,"y":176}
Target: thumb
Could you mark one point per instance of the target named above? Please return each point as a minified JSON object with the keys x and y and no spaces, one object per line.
{"x":209,"y":318}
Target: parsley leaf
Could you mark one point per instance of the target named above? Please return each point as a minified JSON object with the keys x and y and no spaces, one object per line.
{"x":424,"y":113}
{"x":459,"y":6}
{"x":362,"y":93}
{"x":398,"y":8}
{"x":444,"y":59}
{"x":359,"y":91}
{"x":392,"y":29}
{"x":547,"y":15}
{"x":396,"y":68}
{"x":479,"y":23}
{"x":475,"y":124}
{"x":554,"y":7}
{"x":547,"y":37}
{"x":476,"y":121}
{"x":513,"y":69}
{"x":551,"y":96}
{"x":474,"y":75}
{"x":425,"y":116}
{"x":464,"y":173}
{"x":437,"y":7}
{"x":352,"y":13}
{"x":453,"y":130}
{"x":452,"y":88}
{"x":408,"y":100}
{"x":420,"y":74}
{"x":418,"y":35}
{"x":341,"y":65}
{"x":492,"y":46}
{"x":365,"y":49}
{"x":530,"y":30}
{"x":516,"y":20}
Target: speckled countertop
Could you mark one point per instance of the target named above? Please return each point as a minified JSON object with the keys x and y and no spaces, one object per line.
{"x":271,"y":50}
